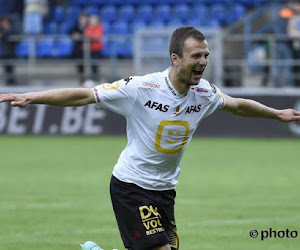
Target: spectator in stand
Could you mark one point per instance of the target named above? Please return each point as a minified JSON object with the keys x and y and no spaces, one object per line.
{"x":8,"y":49}
{"x":94,"y":31}
{"x":77,"y":34}
{"x":34,"y":13}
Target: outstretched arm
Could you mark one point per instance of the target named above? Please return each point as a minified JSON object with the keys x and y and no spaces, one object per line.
{"x":56,"y":97}
{"x":250,"y":108}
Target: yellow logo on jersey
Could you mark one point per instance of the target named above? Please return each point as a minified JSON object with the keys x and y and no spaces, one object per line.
{"x":171,"y":136}
{"x":111,"y":86}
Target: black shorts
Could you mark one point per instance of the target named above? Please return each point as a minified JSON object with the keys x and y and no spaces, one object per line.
{"x":145,"y":217}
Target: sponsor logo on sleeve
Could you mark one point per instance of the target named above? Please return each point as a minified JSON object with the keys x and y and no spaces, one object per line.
{"x":127,"y":80}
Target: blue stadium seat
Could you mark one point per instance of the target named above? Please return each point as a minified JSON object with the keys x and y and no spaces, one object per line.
{"x":98,"y":3}
{"x":134,"y":2}
{"x":51,"y":28}
{"x":151,"y":2}
{"x":193,"y":22}
{"x":22,"y":49}
{"x":145,"y":12}
{"x":170,"y":2}
{"x":65,"y":28}
{"x":80,"y":3}
{"x":120,"y":28}
{"x":91,"y":10}
{"x":175,"y":22}
{"x":156,"y":23}
{"x":259,"y":2}
{"x":110,"y":48}
{"x":219,"y":12}
{"x":199,"y":13}
{"x":246,"y":3}
{"x":138,"y":24}
{"x":116,"y":3}
{"x":126,"y":13}
{"x":237,"y":11}
{"x":106,"y":26}
{"x":72,"y":13}
{"x":211,"y":23}
{"x":63,"y":47}
{"x":162,"y":12}
{"x":58,"y":13}
{"x":45,"y":47}
{"x":181,"y":11}
{"x":125,"y":48}
{"x":108,"y":13}
{"x":218,"y":1}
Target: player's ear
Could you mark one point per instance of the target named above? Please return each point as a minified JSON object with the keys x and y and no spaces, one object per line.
{"x":174,"y":58}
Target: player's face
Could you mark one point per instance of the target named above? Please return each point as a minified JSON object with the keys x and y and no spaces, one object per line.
{"x":193,"y":61}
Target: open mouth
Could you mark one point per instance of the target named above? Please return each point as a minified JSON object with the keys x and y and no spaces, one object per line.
{"x":197,"y":73}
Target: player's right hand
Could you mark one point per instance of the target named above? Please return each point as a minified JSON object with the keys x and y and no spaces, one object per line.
{"x":16,"y":100}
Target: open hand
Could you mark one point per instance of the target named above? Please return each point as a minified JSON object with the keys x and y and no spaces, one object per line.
{"x":288,"y":115}
{"x":16,"y":100}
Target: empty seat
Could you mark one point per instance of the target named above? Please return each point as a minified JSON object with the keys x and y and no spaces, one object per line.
{"x":80,"y":3}
{"x":23,"y":48}
{"x":58,"y":13}
{"x":65,"y":27}
{"x":138,"y":24}
{"x":72,"y":13}
{"x":145,"y":12}
{"x":98,"y":3}
{"x":45,"y":47}
{"x":125,"y":48}
{"x":181,"y":11}
{"x":109,"y":49}
{"x":175,"y":22}
{"x":120,"y":28}
{"x":162,"y":12}
{"x":219,"y":13}
{"x":156,"y":23}
{"x":199,"y":13}
{"x":91,"y":10}
{"x":237,"y":11}
{"x":116,"y":3}
{"x":108,"y":13}
{"x":126,"y":13}
{"x":63,"y":47}
{"x":51,"y":28}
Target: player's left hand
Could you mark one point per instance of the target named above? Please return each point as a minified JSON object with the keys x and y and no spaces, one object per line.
{"x":289,"y":115}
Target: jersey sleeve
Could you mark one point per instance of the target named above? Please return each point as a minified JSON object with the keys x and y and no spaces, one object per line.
{"x":118,"y":96}
{"x":217,"y":100}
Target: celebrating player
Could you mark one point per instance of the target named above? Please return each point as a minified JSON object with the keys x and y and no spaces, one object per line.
{"x":162,"y":110}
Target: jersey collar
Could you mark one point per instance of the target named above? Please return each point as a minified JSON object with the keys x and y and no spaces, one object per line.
{"x":171,"y":88}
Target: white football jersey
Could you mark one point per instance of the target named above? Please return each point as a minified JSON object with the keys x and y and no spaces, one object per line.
{"x":160,"y":125}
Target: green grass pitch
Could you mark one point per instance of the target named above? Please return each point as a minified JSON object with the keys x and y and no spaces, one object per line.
{"x":55,"y":193}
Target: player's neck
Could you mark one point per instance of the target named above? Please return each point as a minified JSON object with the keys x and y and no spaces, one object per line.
{"x":180,"y":86}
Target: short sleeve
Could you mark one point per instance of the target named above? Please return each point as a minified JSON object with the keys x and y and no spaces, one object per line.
{"x":216,"y":100}
{"x":118,"y":96}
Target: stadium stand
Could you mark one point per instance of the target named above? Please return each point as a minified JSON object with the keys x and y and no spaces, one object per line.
{"x":125,"y":17}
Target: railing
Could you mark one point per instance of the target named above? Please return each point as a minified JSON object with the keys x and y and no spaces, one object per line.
{"x":278,"y":60}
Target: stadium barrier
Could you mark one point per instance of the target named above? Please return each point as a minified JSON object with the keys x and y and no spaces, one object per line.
{"x":91,"y":121}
